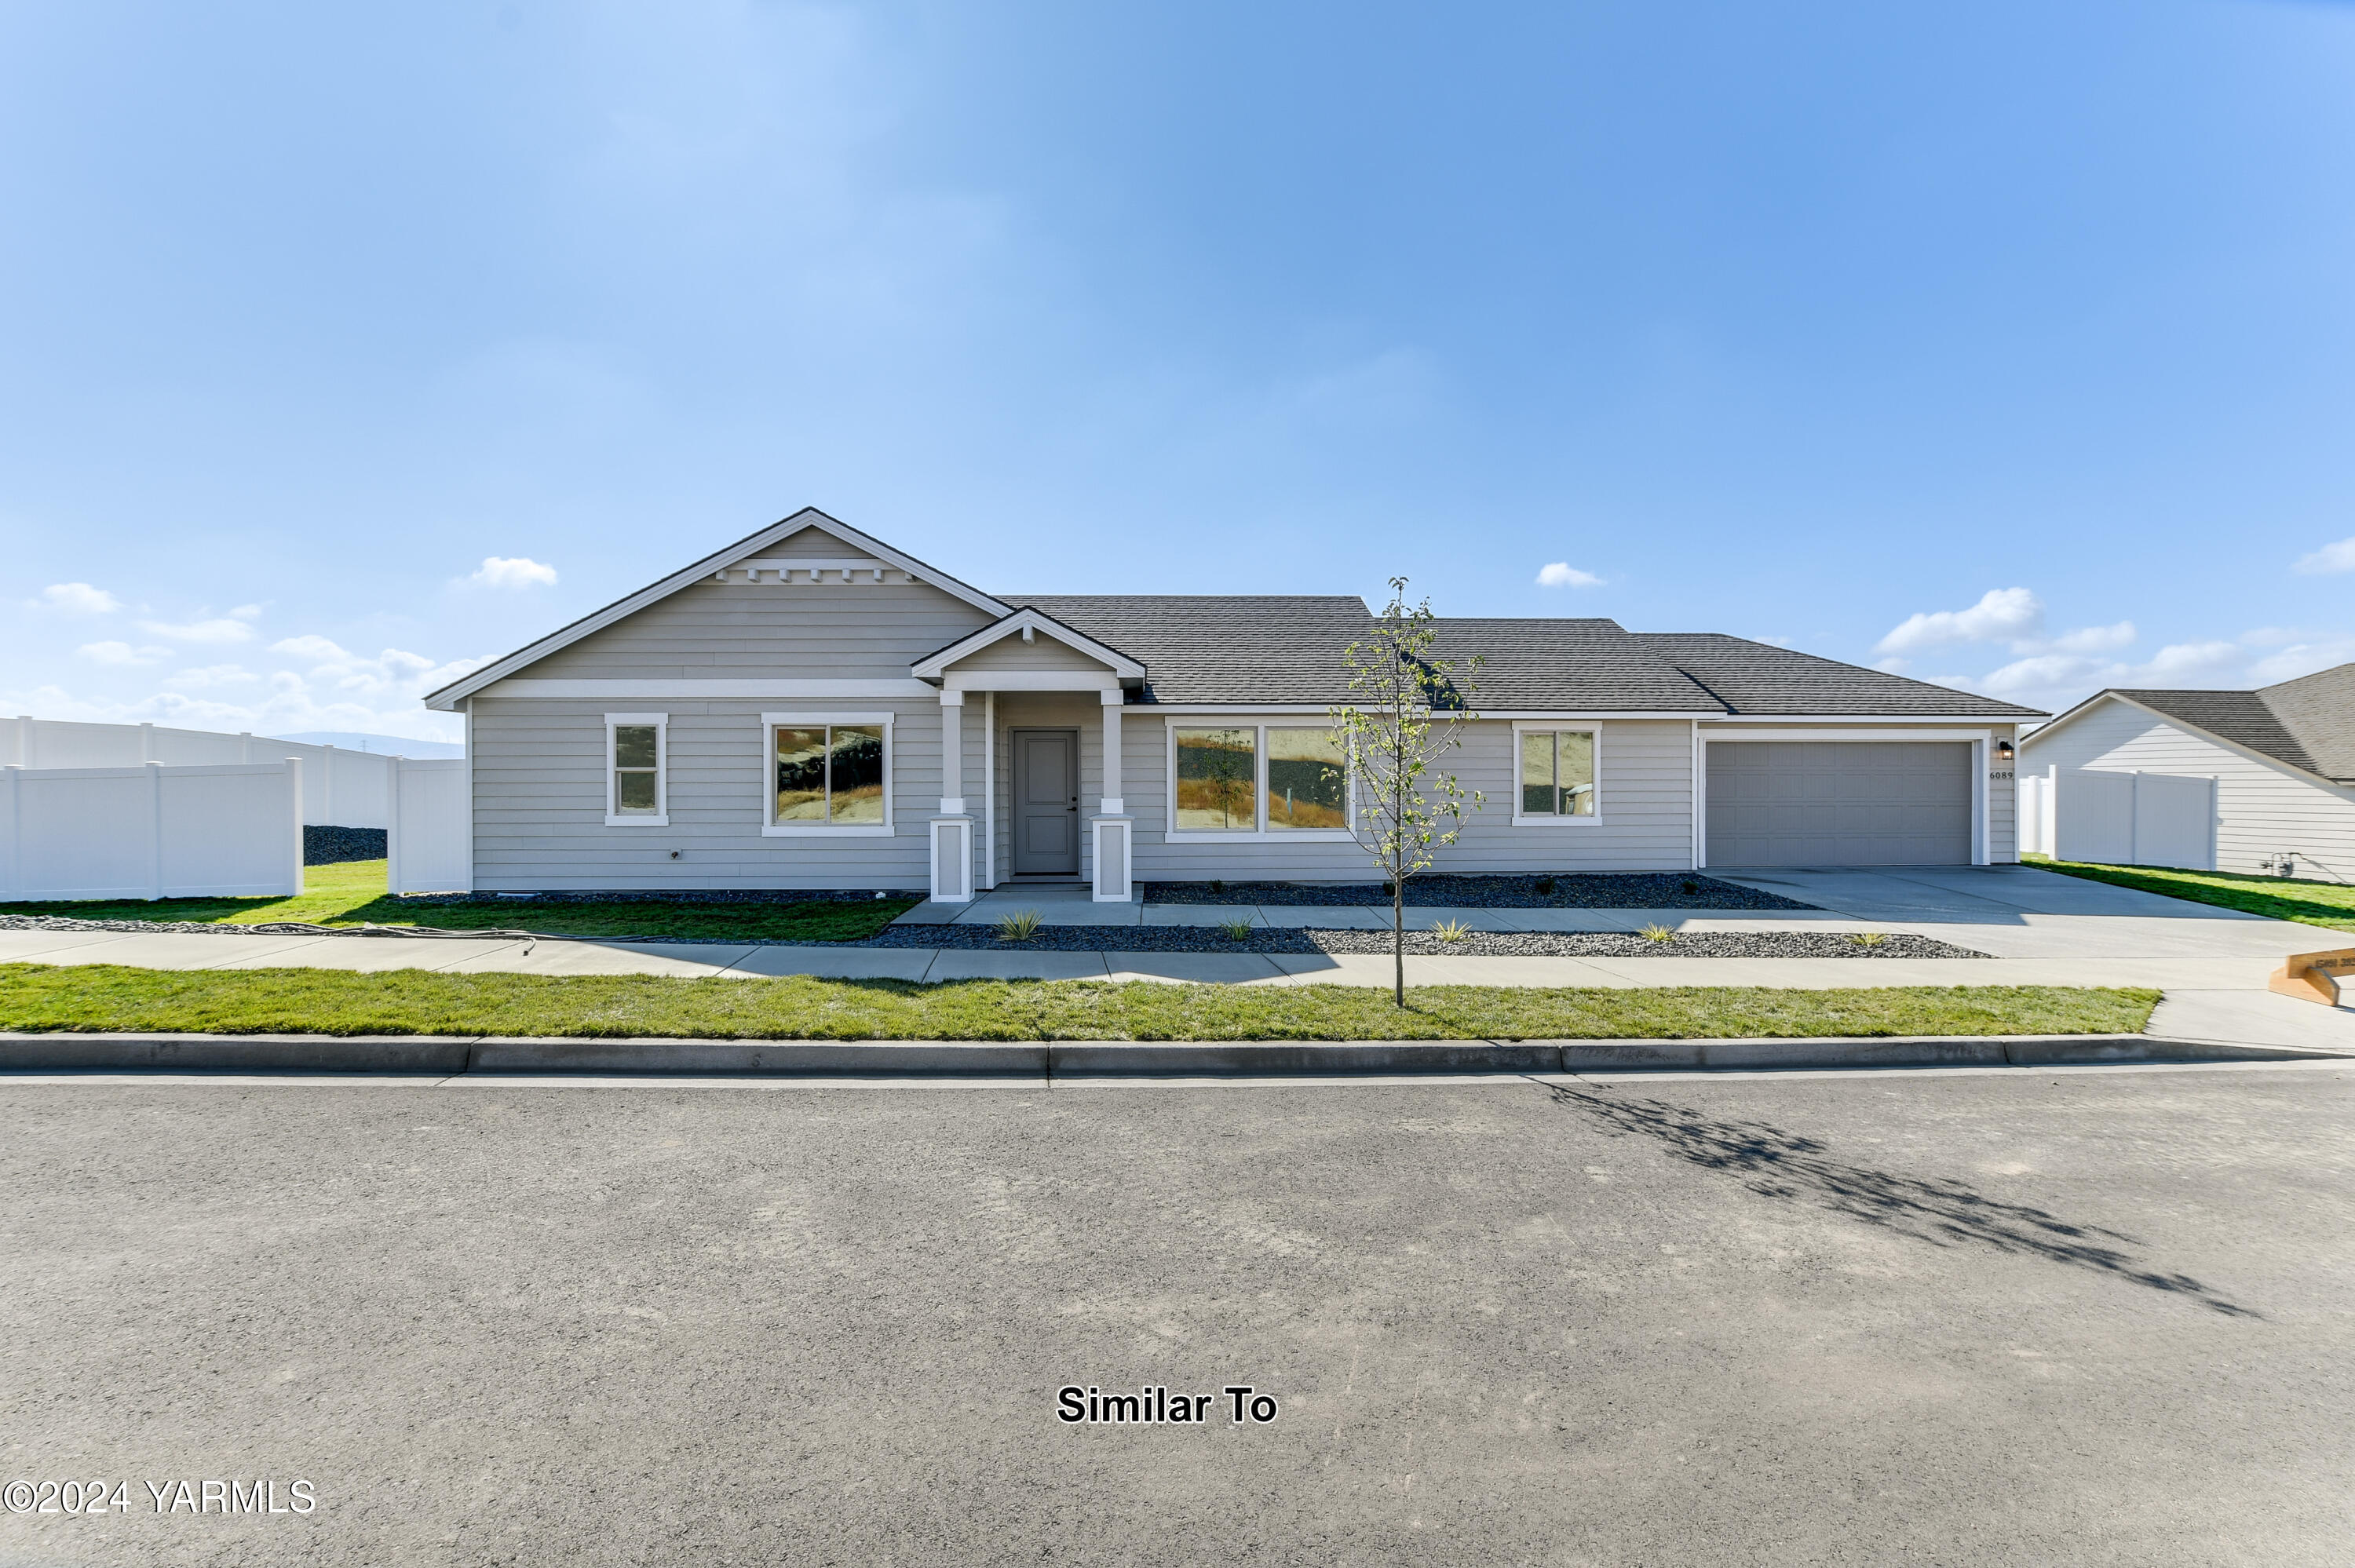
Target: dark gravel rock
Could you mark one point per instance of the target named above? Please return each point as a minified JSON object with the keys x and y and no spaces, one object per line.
{"x":333,"y":846}
{"x":1561,"y":890}
{"x":718,"y":896}
{"x":1475,"y":944}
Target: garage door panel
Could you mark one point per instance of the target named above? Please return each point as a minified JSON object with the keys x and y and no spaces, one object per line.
{"x":1839,"y":803}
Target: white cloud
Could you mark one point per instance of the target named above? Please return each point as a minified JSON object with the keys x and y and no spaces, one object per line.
{"x":318,"y":649}
{"x":212,"y":676}
{"x":2096,"y":639}
{"x":2301,"y":658}
{"x":513,"y":572}
{"x":2339,"y":558}
{"x":220,"y":628}
{"x":76,"y":598}
{"x":122,"y":653}
{"x":1561,"y":573}
{"x":246,"y":612}
{"x":2001,"y":614}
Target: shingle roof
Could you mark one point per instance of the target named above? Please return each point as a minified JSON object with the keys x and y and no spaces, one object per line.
{"x":1576,"y":665}
{"x":1759,"y":678}
{"x":2318,"y":711}
{"x":2308,"y":723}
{"x":2241,"y":716}
{"x":1287,"y":648}
{"x":1223,"y":648}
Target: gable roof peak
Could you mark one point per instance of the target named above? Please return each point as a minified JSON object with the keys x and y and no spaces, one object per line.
{"x":718,"y":561}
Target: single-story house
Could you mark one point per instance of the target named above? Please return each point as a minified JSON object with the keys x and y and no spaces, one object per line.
{"x":812,"y":708}
{"x":2267,"y":778}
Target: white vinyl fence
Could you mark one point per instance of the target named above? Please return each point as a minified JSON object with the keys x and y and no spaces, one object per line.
{"x":343,"y":789}
{"x":233,"y":830}
{"x":432,"y":841}
{"x":2119,"y":819}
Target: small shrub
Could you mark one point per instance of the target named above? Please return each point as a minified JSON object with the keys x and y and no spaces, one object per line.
{"x":1869,"y":938}
{"x":1657,"y":933}
{"x":1389,"y":889}
{"x":1019,"y":927}
{"x":1239,"y":930}
{"x":1691,"y":886}
{"x":1451,"y":930}
{"x":1545,"y":887}
{"x":1217,"y":885}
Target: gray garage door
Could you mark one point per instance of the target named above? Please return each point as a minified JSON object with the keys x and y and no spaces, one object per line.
{"x":1839,"y":803}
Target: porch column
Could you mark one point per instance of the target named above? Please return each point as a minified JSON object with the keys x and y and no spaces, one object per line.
{"x":951,"y":830}
{"x":951,"y":754}
{"x":1112,"y":804}
{"x":1112,"y":827}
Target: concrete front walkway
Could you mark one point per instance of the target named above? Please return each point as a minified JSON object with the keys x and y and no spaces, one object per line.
{"x":2043,"y":929}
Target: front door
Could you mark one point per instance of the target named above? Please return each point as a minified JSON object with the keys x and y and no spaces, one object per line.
{"x":1046,"y":802}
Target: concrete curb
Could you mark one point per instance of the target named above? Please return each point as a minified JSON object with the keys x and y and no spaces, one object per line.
{"x":453,"y":1054}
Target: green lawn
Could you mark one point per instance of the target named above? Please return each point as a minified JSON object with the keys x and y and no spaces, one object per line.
{"x":416,"y":1002}
{"x":2326,"y":904}
{"x":353,"y":894}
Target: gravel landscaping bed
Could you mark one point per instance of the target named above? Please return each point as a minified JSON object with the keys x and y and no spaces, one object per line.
{"x":333,"y":846}
{"x":722,"y":896}
{"x":1475,"y":944}
{"x":1564,"y":890}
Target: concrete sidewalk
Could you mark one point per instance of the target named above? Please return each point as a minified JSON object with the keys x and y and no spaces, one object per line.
{"x":205,"y":950}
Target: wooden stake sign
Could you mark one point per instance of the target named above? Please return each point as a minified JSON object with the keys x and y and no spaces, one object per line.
{"x":2313,"y":977}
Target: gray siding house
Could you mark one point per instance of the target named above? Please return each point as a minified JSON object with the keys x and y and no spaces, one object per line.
{"x":811,"y":708}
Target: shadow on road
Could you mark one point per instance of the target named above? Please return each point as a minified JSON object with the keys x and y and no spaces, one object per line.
{"x":1946,"y":1214}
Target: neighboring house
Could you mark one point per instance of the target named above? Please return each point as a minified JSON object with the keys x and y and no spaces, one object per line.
{"x":2278,"y":764}
{"x":812,"y":708}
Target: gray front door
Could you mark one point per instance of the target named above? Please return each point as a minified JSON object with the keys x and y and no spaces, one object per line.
{"x":1046,"y":802}
{"x":1839,"y":803}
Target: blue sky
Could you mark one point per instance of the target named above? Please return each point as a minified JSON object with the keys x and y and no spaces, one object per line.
{"x":2009,"y":344}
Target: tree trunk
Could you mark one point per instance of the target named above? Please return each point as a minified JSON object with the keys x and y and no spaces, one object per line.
{"x":1398,"y":941}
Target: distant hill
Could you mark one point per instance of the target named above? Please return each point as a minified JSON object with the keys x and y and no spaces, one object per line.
{"x":385,"y":745}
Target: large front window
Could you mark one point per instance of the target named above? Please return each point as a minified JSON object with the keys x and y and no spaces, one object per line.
{"x":830,"y":775}
{"x":1254,"y":779}
{"x":1218,"y":778}
{"x":1557,"y":773}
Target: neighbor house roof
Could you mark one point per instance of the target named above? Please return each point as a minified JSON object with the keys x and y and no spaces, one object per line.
{"x":2318,"y":711}
{"x":1287,"y":648}
{"x":2308,"y":723}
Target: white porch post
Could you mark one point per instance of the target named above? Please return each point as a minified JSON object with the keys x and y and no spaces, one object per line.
{"x":1115,"y":830}
{"x":952,"y":832}
{"x":951,"y":754}
{"x":1111,"y":804}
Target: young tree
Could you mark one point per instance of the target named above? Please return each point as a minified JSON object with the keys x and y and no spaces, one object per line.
{"x":1411,"y":710}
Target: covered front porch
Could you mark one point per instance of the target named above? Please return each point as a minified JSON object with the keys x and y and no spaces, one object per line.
{"x":1031,"y":764}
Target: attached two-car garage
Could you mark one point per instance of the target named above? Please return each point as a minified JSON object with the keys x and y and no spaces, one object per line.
{"x":1838,"y":803}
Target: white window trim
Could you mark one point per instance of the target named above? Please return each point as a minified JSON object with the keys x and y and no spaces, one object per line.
{"x":660,"y":816}
{"x":1554,"y":818}
{"x":770,"y":827}
{"x":1262,"y":833}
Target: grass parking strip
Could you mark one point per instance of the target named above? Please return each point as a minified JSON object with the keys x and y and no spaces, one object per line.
{"x":2331,"y":905}
{"x":109,"y":997}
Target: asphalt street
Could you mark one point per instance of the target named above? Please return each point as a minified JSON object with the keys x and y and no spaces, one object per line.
{"x":1996,"y":1318}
